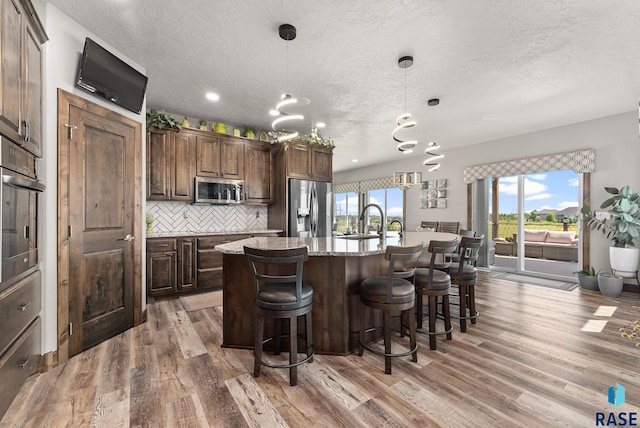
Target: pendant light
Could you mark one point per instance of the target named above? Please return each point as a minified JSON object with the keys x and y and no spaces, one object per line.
{"x":432,"y":159}
{"x":404,"y":120}
{"x":280,"y":132}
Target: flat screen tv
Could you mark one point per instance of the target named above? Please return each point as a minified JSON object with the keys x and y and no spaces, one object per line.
{"x":102,"y":73}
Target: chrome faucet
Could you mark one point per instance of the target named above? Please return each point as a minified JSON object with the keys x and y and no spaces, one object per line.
{"x":381,"y":231}
{"x":400,"y":223}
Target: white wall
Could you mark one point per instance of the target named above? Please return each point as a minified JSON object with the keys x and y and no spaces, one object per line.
{"x":615,"y":140}
{"x":61,"y":56}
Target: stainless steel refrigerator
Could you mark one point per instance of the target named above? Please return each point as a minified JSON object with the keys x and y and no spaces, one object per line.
{"x":310,"y":208}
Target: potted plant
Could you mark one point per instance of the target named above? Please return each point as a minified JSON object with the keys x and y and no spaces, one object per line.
{"x":203,"y":124}
{"x":622,"y":228}
{"x":249,"y":132}
{"x":610,"y":284}
{"x":588,"y":278}
{"x":161,"y":120}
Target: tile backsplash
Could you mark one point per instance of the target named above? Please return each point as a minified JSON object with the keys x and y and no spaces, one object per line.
{"x":181,"y":217}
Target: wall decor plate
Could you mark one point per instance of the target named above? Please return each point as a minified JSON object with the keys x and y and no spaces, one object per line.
{"x":442,"y":203}
{"x":441,"y":183}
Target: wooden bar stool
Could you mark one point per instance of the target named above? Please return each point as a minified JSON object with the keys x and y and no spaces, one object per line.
{"x":393,"y":292}
{"x":464,"y":275}
{"x":434,"y":282}
{"x":281,"y":296}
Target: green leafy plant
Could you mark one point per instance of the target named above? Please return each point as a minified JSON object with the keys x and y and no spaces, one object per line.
{"x":590,"y":271}
{"x":202,"y":122}
{"x":161,"y":120}
{"x":623,"y":226}
{"x":249,"y":130}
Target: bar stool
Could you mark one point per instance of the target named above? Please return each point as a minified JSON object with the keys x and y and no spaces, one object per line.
{"x":279,"y":297}
{"x":464,"y":275}
{"x":434,"y":282}
{"x":393,"y":292}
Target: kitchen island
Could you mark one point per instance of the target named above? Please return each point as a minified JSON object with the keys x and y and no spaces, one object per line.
{"x":335,"y":268}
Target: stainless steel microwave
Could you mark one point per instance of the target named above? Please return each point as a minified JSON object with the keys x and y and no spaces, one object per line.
{"x":219,"y":191}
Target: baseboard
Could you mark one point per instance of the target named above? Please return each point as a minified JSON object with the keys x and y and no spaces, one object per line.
{"x":48,"y":361}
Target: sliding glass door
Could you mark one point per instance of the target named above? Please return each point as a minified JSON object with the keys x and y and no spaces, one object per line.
{"x":543,"y":209}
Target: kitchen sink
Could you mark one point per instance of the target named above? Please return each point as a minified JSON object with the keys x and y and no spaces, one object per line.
{"x":359,"y":236}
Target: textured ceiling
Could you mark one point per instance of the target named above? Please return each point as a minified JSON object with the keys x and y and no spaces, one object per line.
{"x":530,"y":65}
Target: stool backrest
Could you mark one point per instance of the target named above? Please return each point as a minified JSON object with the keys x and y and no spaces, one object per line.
{"x":469,"y":250}
{"x":469,"y":233}
{"x":441,"y":254}
{"x":261,"y":260}
{"x":402,"y":263}
{"x":448,"y":226}
{"x":429,"y":225}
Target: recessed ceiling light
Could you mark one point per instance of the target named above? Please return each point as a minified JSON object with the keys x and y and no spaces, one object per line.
{"x":213,"y":96}
{"x":320,"y":125}
{"x":354,"y":160}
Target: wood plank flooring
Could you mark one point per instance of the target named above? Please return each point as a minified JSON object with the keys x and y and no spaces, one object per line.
{"x":526,"y":363}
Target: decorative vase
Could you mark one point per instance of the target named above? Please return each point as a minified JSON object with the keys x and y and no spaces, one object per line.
{"x":185,"y":123}
{"x":588,"y":282}
{"x":220,"y":128}
{"x":236,"y":132}
{"x":250,"y":134}
{"x":624,"y":261}
{"x":610,"y":285}
{"x":149,"y":220}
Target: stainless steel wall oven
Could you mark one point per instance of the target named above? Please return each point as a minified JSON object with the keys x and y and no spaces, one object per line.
{"x":18,"y":210}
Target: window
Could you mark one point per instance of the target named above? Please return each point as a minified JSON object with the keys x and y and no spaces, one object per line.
{"x":347,"y":209}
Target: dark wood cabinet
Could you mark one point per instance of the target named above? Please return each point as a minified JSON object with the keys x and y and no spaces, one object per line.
{"x":321,"y":163}
{"x":21,"y":36}
{"x":232,"y":158}
{"x":183,"y":165}
{"x":208,"y":158}
{"x":184,"y":264}
{"x":171,"y":162}
{"x":309,"y":161}
{"x":296,"y":159}
{"x":162,"y":263}
{"x":258,"y":172}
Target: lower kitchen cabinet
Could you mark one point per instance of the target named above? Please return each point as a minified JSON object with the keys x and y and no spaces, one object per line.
{"x":20,"y":336}
{"x":186,"y":264}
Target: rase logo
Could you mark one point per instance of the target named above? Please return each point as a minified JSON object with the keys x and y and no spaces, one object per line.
{"x":615,"y":396}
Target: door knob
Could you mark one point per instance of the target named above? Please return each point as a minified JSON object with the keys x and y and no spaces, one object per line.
{"x":129,"y":237}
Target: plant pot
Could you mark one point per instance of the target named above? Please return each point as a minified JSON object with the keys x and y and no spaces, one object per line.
{"x":236,"y":132}
{"x":624,"y":261}
{"x":250,"y":134}
{"x":588,"y":282}
{"x":610,"y":285}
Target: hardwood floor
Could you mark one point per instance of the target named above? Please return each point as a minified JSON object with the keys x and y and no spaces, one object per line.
{"x":525,"y":363}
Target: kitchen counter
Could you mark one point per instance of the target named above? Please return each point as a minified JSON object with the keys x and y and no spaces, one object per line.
{"x":335,"y":269}
{"x":212,"y":233}
{"x":335,"y":246}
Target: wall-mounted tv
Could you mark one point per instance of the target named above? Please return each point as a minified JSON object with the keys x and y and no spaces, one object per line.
{"x":102,"y":73}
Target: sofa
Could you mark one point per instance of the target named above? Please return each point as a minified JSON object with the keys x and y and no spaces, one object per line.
{"x":542,"y":244}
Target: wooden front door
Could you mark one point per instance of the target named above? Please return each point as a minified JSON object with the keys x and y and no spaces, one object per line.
{"x":102,"y":218}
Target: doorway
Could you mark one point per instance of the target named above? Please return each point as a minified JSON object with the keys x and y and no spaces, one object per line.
{"x":99,"y":200}
{"x":544,"y":208}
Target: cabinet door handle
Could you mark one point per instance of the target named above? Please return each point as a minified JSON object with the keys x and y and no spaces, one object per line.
{"x":22,"y":364}
{"x":160,"y":245}
{"x":23,"y":307}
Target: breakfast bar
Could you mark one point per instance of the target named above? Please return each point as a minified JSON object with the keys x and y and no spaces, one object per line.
{"x":335,"y":268}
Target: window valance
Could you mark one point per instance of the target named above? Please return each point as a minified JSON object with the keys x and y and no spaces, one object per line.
{"x":579,"y":161}
{"x":365,"y":185}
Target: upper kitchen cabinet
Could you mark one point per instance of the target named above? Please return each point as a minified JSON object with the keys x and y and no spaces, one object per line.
{"x":22,"y":36}
{"x":258,"y":172}
{"x":220,"y":156}
{"x":307,"y":161}
{"x":171,"y":160}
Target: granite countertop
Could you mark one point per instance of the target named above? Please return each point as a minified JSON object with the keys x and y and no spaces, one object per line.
{"x":335,"y":246}
{"x":177,"y":234}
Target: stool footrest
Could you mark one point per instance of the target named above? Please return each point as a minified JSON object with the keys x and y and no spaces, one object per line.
{"x":287,"y":366}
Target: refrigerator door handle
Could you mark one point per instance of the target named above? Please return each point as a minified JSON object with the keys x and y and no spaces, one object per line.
{"x":313,"y":215}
